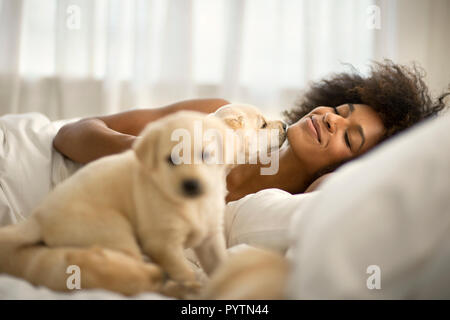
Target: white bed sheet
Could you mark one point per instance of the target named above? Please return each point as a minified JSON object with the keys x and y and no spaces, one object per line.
{"x":29,"y":165}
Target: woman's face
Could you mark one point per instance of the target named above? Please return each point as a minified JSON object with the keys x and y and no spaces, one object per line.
{"x":327,"y":135}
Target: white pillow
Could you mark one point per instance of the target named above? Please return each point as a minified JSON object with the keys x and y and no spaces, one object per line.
{"x":389,"y":209}
{"x":263,"y":219}
{"x":26,"y":163}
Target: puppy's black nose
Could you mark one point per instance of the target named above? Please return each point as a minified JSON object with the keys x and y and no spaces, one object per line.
{"x":284,"y":124}
{"x":191,"y":187}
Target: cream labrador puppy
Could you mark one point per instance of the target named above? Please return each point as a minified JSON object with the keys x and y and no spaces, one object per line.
{"x":247,"y":120}
{"x":134,"y":203}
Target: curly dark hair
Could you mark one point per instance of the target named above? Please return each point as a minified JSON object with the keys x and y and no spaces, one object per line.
{"x":396,"y":92}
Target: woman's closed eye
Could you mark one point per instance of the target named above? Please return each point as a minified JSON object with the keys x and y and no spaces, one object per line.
{"x":346,"y":138}
{"x":336,"y":110}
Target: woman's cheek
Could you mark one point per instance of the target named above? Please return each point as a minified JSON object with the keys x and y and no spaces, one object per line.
{"x":338,"y":153}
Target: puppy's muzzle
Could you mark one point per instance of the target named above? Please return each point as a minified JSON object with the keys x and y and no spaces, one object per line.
{"x":191,"y":187}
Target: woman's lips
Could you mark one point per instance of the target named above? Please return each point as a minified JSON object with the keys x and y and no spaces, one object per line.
{"x":317,"y":127}
{"x":312,"y":127}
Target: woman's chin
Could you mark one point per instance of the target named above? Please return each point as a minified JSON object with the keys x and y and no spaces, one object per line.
{"x":295,"y":133}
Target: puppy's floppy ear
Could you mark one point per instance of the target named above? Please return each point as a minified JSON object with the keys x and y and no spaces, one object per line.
{"x":234,"y":121}
{"x":146,"y":145}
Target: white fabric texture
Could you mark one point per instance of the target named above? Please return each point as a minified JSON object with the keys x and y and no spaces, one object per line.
{"x":391,"y":209}
{"x":29,"y":165}
{"x":263,"y":219}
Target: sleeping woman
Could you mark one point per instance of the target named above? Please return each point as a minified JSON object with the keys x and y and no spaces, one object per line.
{"x":336,"y":120}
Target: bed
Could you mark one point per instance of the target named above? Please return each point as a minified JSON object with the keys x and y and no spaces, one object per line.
{"x":389,"y":209}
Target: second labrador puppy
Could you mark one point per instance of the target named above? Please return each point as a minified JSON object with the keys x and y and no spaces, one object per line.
{"x":248,"y":121}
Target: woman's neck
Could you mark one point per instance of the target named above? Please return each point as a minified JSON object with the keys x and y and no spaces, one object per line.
{"x":247,"y":178}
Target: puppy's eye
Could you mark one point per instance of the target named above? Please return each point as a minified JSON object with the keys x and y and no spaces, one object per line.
{"x":264,"y":125}
{"x":169,"y":160}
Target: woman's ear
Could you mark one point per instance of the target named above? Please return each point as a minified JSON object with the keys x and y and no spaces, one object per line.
{"x":146,"y":145}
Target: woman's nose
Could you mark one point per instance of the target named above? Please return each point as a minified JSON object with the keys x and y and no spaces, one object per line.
{"x":332,"y":121}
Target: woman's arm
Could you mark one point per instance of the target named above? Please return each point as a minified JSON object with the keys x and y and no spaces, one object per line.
{"x":91,"y":138}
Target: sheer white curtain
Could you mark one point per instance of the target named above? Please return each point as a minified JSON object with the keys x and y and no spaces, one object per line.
{"x":69,"y":58}
{"x":417,"y":30}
